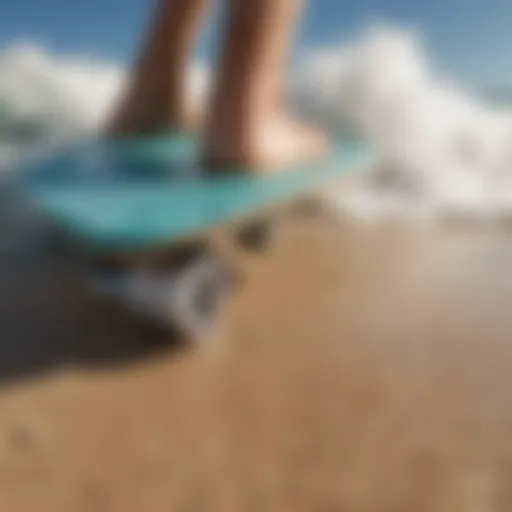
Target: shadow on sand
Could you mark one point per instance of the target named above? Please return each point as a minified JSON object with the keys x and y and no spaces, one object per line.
{"x":47,"y":319}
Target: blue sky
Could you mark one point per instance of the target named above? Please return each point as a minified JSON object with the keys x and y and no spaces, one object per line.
{"x":468,"y":39}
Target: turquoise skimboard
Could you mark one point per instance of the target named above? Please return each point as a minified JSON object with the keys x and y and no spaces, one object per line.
{"x":133,"y":194}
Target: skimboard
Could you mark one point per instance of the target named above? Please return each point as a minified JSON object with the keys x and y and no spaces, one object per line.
{"x":120,"y":199}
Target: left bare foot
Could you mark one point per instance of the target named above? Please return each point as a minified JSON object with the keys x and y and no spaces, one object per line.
{"x":270,"y":145}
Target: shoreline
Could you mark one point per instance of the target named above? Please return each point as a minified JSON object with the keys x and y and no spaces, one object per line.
{"x":358,"y":370}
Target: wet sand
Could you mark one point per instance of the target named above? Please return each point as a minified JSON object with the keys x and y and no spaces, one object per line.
{"x":358,"y":370}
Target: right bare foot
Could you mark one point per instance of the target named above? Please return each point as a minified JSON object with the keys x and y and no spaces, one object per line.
{"x":271,"y":147}
{"x":142,"y":119}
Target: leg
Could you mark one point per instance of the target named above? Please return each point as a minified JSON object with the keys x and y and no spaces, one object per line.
{"x":246,"y":124}
{"x":156,"y":98}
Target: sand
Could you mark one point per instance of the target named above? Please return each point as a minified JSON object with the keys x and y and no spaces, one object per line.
{"x":358,"y":370}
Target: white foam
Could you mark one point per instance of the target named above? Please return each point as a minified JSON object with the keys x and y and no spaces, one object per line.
{"x":440,"y":148}
{"x":47,"y":99}
{"x":66,"y":95}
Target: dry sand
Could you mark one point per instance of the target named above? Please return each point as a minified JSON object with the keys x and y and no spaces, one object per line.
{"x":359,"y":370}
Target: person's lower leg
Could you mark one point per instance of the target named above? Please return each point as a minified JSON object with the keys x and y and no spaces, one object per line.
{"x":246,"y":123}
{"x":156,"y":99}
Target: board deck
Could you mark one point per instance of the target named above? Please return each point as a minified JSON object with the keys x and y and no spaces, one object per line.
{"x":133,"y":194}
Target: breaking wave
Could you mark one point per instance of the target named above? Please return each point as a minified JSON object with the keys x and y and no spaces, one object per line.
{"x":440,"y":148}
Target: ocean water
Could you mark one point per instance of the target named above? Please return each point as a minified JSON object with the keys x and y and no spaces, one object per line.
{"x":442,"y":150}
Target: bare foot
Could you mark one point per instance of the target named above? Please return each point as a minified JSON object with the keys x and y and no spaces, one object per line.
{"x":144,"y":119}
{"x":272,"y":146}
